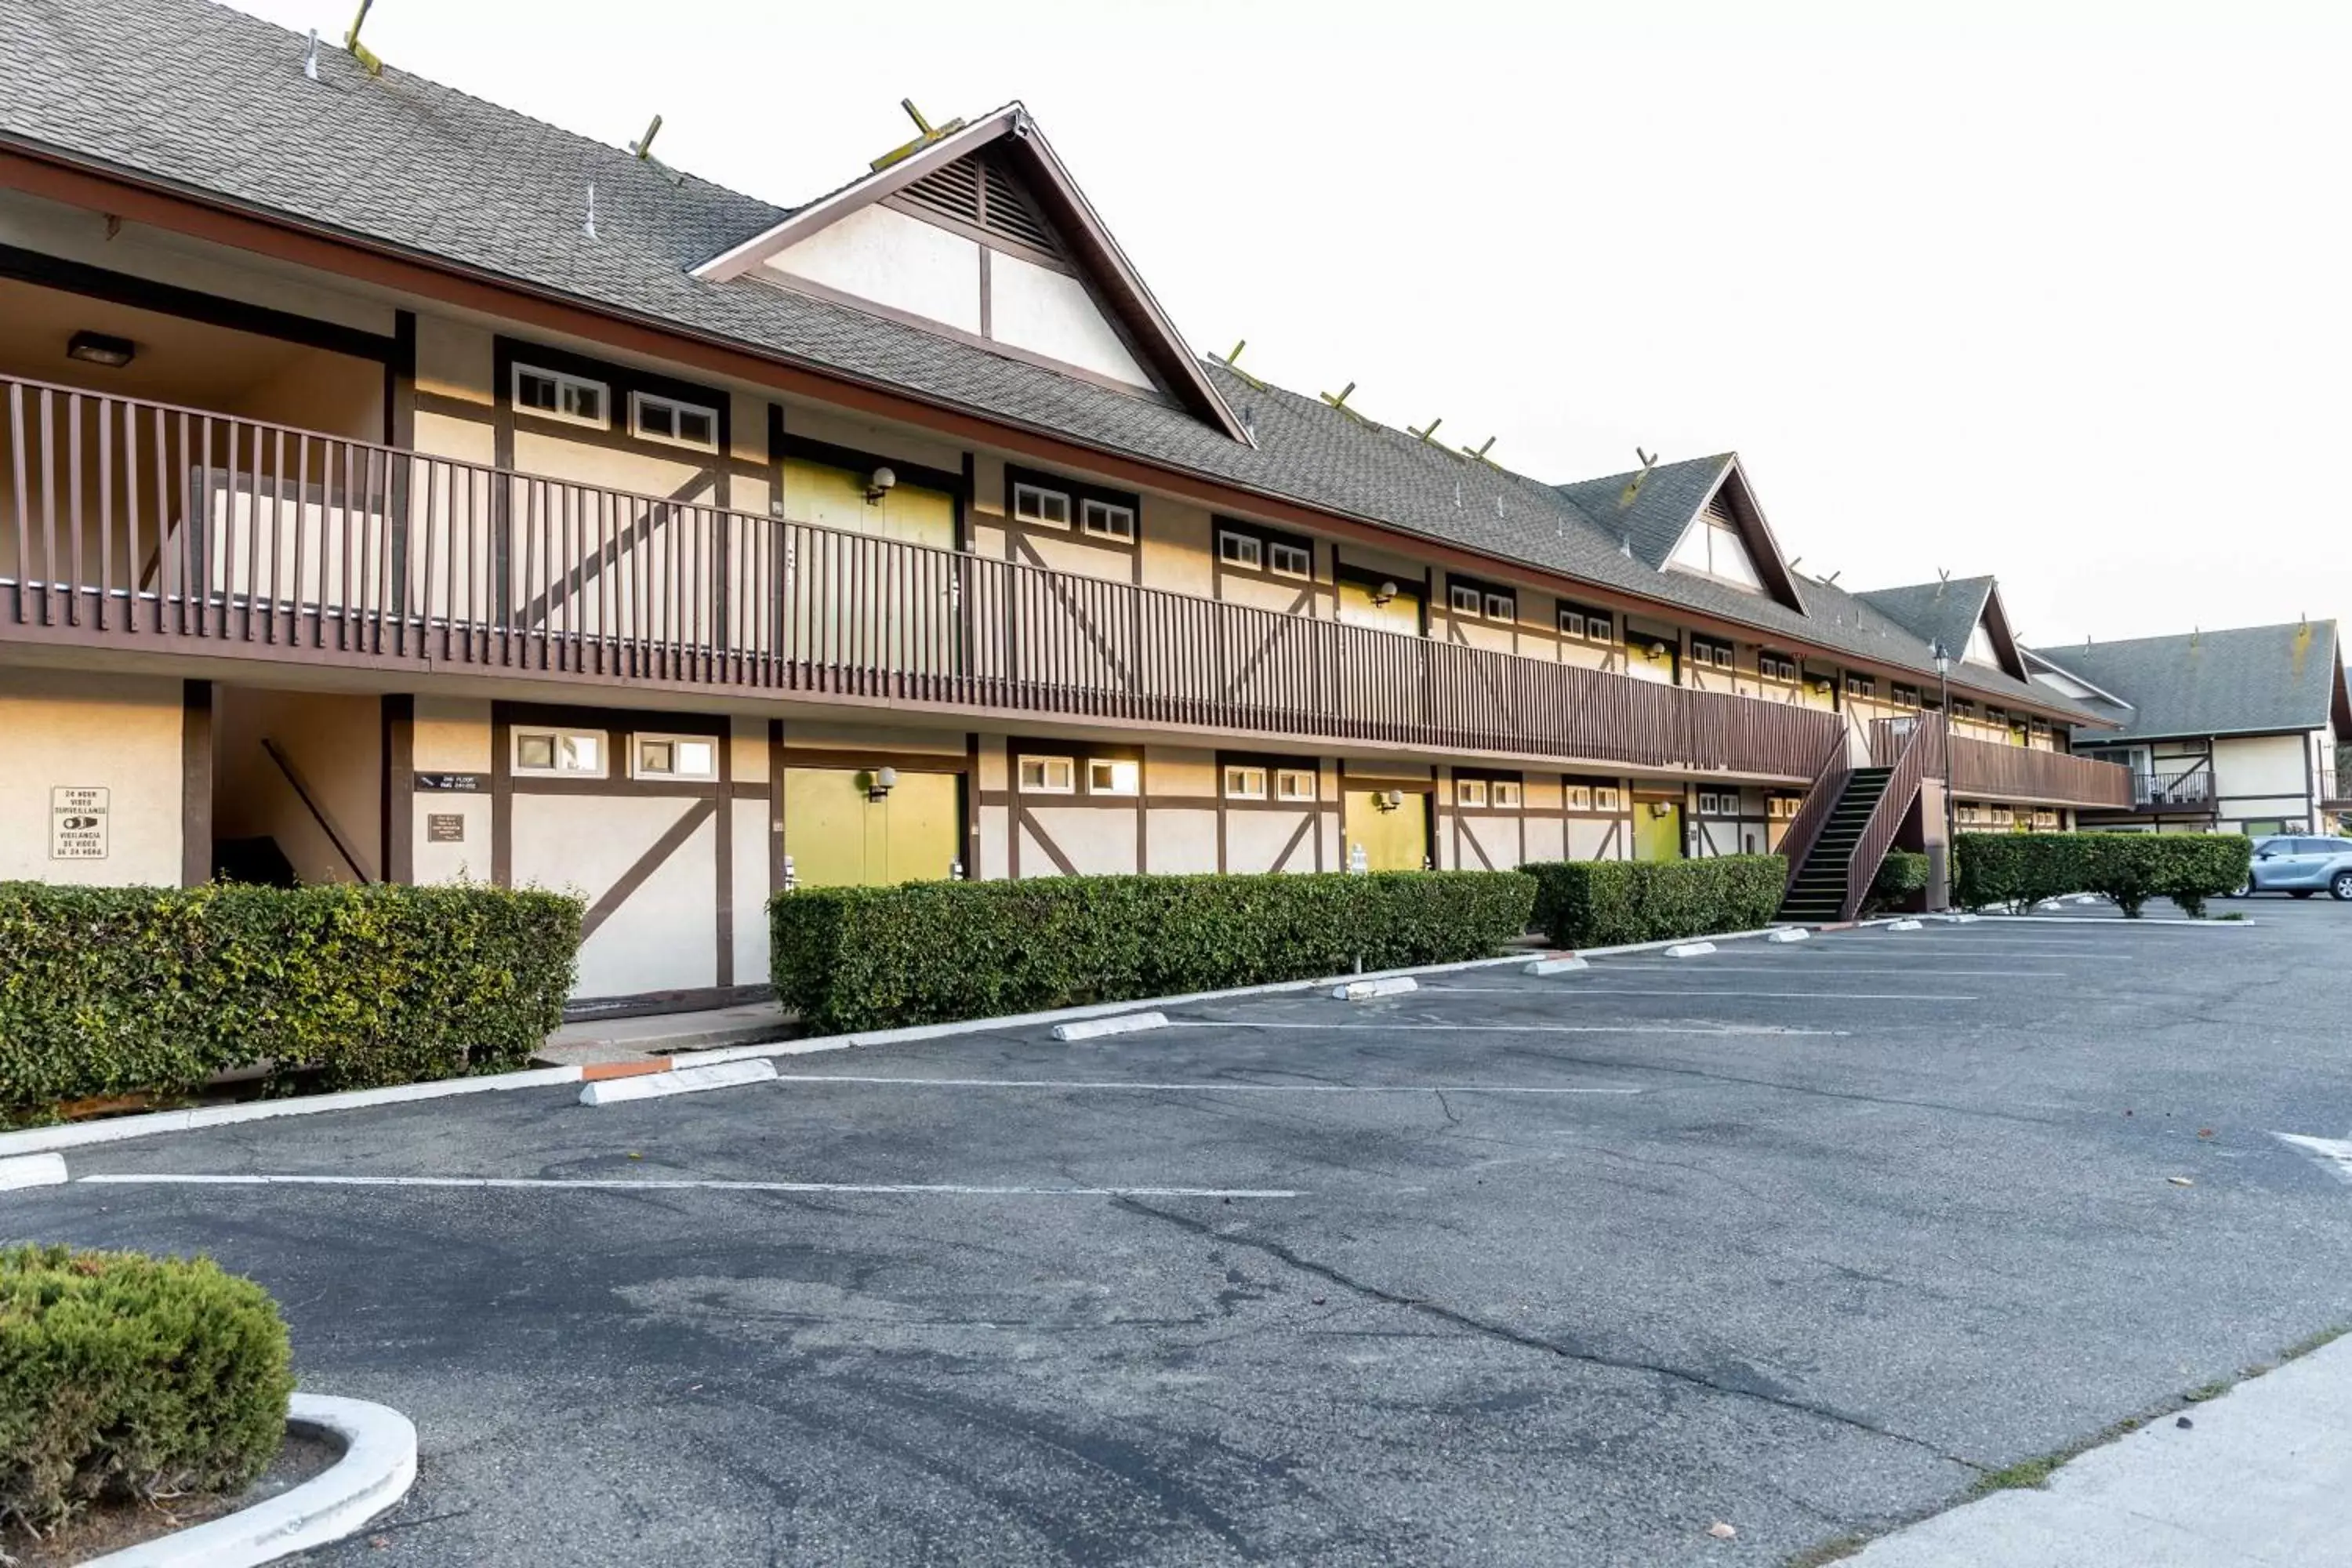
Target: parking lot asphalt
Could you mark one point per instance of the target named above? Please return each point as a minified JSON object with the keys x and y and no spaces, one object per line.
{"x":1800,"y":1239}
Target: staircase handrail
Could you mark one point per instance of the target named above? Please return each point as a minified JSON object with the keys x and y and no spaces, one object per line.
{"x":1922,"y":745}
{"x":1820,"y":800}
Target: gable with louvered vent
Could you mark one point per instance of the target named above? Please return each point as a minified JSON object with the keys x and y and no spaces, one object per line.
{"x":965,"y":248}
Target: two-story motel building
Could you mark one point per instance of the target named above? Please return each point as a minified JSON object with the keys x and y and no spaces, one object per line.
{"x":395,"y":488}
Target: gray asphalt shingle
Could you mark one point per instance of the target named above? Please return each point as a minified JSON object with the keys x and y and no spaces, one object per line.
{"x":216,"y":101}
{"x":2248,"y":680}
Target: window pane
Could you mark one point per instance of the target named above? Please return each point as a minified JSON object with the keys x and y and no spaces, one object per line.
{"x":535,"y":391}
{"x":1499,"y":606}
{"x":580,"y":753}
{"x":697,"y":426}
{"x":584,"y":402}
{"x":696,"y":759}
{"x":535,"y":750}
{"x":654,"y":419}
{"x":656,"y":757}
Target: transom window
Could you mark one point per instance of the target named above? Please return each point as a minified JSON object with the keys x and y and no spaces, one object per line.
{"x":1580,"y":797}
{"x":1860,"y":686}
{"x":1034,"y":503}
{"x":577,"y":753}
{"x":1106,"y":775}
{"x":1775,"y":667}
{"x":679,"y":424}
{"x":1482,"y":603}
{"x":1905,"y":696}
{"x":1048,"y":776}
{"x":1105,"y":521}
{"x":1592,"y":625}
{"x":674,"y":757}
{"x":1604,"y":798}
{"x":1505,"y":793}
{"x":1780,"y":807}
{"x":1242,"y":550}
{"x":1712,"y":803}
{"x":1470,"y":791}
{"x":1706,"y":651}
{"x":1289,"y":560}
{"x":1294,"y":784}
{"x":1246,"y":782}
{"x":551,"y":393}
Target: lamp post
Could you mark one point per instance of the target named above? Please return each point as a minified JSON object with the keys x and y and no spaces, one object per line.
{"x":1951,"y":811}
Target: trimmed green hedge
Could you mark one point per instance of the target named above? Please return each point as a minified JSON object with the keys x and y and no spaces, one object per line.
{"x":928,"y":952}
{"x":1607,"y":903}
{"x":1901,"y":875}
{"x":2129,"y":867}
{"x":119,"y":990}
{"x":130,"y":1377}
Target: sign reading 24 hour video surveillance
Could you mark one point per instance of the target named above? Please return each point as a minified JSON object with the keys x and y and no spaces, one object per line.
{"x":77,"y":823}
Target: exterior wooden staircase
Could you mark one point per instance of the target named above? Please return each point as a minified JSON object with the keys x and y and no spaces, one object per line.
{"x":1851,"y":815}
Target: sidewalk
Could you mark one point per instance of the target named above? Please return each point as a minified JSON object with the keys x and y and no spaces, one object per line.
{"x":2262,"y":1476}
{"x":596,"y":1040}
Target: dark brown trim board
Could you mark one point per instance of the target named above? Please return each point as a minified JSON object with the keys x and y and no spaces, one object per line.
{"x":397,"y":854}
{"x":193,"y":305}
{"x":723,"y":800}
{"x":195,"y":783}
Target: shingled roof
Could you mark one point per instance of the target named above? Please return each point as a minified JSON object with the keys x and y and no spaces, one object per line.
{"x":215,"y":102}
{"x":2250,"y":680}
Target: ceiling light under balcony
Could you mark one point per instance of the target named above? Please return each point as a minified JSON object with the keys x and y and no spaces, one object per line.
{"x":98,"y":348}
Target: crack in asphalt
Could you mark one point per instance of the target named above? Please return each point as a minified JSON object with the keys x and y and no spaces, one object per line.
{"x":1525,"y":1340}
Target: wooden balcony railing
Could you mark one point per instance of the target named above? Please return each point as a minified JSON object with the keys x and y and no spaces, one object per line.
{"x":134,"y":524}
{"x":2190,"y":791}
{"x":1987,"y":770}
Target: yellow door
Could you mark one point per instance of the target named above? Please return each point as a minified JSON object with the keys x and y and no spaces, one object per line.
{"x":1394,"y":840}
{"x":827,"y":497}
{"x":1649,"y":657}
{"x":862,"y":604}
{"x":837,"y":837}
{"x":1819,"y":691}
{"x":1657,"y":830}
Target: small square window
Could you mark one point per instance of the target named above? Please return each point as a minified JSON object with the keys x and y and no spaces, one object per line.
{"x":1470,"y":791}
{"x":1290,"y":561}
{"x":1104,"y":521}
{"x":1722,"y":656}
{"x":554,"y":395}
{"x":1048,"y":776}
{"x":1034,"y":503}
{"x":1246,"y":784}
{"x":1859,"y":686}
{"x":1104,"y":776}
{"x":1294,"y":784}
{"x":1464,"y":600}
{"x":678,"y":424}
{"x":1706,"y":804}
{"x":1571,"y":623}
{"x":575,"y":752}
{"x":1604,"y":799}
{"x":675,"y":757}
{"x":1580,"y":797}
{"x":1241,"y":550}
{"x":1501,"y":607}
{"x":1506,"y":792}
{"x":1597,"y":627}
{"x":1905,"y":696}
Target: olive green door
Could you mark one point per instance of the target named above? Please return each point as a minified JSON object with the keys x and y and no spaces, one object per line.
{"x":1657,"y":833}
{"x":1394,"y":840}
{"x":854,"y":596}
{"x":837,"y":837}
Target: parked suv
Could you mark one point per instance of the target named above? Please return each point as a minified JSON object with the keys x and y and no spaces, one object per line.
{"x":2301,"y":866}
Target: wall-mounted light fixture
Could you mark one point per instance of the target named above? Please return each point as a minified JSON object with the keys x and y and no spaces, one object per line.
{"x":1388,"y":799}
{"x":1658,"y":650}
{"x":880,"y":782}
{"x":1382,"y":596}
{"x":97,"y":348}
{"x":1662,"y":808}
{"x":882,"y":483}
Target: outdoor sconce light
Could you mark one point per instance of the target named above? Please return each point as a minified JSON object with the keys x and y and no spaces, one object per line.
{"x":880,"y":782}
{"x":1381,"y":595}
{"x":1657,"y":650}
{"x":1388,"y":799}
{"x":884,"y":482}
{"x":1661,"y":807}
{"x":97,"y":348}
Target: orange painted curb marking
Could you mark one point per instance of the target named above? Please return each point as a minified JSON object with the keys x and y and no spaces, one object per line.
{"x":595,"y":1072}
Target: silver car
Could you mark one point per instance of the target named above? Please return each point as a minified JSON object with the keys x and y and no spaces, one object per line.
{"x":2301,"y":866}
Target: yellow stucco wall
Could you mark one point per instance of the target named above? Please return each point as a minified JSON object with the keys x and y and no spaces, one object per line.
{"x":118,"y":733}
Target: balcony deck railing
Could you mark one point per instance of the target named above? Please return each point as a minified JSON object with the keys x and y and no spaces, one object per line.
{"x":1988,"y":769}
{"x":127,"y":523}
{"x":2190,"y":791}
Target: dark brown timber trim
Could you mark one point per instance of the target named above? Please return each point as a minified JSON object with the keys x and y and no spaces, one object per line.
{"x":651,"y":861}
{"x":397,"y":853}
{"x":722,"y":806}
{"x":195,"y":783}
{"x":191,"y":304}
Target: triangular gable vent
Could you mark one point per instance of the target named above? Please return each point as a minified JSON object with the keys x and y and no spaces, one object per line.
{"x":983,"y":193}
{"x":1712,"y":545}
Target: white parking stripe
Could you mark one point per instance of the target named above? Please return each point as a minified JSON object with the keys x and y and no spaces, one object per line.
{"x":1689,"y":993}
{"x":656,"y":1184}
{"x":1388,"y":1028}
{"x":1793,"y":966}
{"x":1209,"y":1086}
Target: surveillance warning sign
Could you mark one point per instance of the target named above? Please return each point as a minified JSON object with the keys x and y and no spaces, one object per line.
{"x":77,"y":823}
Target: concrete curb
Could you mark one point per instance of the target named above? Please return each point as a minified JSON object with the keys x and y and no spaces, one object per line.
{"x":618,"y":1088}
{"x":378,"y":1466}
{"x":38,"y":1139}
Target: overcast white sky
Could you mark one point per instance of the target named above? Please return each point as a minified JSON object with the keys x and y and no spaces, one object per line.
{"x":2054,"y":292}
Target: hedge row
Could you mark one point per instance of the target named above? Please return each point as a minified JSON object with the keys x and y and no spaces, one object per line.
{"x":2129,"y":867}
{"x":126,"y":1377}
{"x":864,"y":958}
{"x":119,"y":990}
{"x":1606,"y":903}
{"x":1903,"y":873}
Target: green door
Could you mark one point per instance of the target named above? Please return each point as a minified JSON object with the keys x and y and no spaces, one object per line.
{"x":839,"y":838}
{"x":1657,"y":835}
{"x":1394,"y":840}
{"x":854,"y":597}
